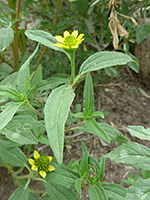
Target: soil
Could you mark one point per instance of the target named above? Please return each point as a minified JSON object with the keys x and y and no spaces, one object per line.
{"x":123,"y":98}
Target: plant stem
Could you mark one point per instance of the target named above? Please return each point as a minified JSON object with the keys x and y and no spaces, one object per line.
{"x":57,"y":11}
{"x":23,"y":176}
{"x":72,"y":68}
{"x":72,"y":127}
{"x":16,"y":37}
{"x":40,"y":58}
{"x":5,"y":61}
{"x":34,"y":110}
{"x":15,"y":47}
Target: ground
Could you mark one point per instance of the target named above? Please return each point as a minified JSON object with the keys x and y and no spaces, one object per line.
{"x":123,"y":98}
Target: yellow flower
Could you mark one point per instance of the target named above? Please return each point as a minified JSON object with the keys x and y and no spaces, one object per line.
{"x":41,"y":164}
{"x":70,"y":41}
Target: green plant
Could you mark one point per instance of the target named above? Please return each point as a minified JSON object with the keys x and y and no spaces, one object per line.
{"x":24,"y":125}
{"x":19,"y":127}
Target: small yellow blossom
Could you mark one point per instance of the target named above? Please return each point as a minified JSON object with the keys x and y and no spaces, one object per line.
{"x":41,"y":164}
{"x":70,"y":42}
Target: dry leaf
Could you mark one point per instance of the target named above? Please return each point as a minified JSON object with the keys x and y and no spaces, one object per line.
{"x":122,"y":31}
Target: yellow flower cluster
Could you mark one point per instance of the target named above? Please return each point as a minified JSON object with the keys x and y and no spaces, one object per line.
{"x":41,"y":164}
{"x":69,"y":41}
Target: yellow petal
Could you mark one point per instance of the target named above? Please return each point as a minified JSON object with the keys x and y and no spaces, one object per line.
{"x":59,"y":45}
{"x":42,"y":173}
{"x":59,"y":39}
{"x":50,"y":158}
{"x":51,"y":168}
{"x":31,"y":161}
{"x":75,"y":47}
{"x":34,"y":168}
{"x":74,"y":33}
{"x":66,"y":33}
{"x":80,"y":37}
{"x":36,"y":154}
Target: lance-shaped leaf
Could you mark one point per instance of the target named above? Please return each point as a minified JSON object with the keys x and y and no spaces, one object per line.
{"x":56,"y":112}
{"x":21,"y":193}
{"x":96,"y":192}
{"x":24,"y":73}
{"x":115,"y":191}
{"x":13,"y":156}
{"x":62,"y":176}
{"x":139,"y":191}
{"x":88,"y":102}
{"x":7,"y":114}
{"x":112,"y":133}
{"x":44,"y":38}
{"x":56,"y":192}
{"x":6,"y":37}
{"x":140,"y":132}
{"x":104,"y":59}
{"x":134,"y":154}
{"x":10,"y":92}
{"x":96,"y":129}
{"x":20,"y":136}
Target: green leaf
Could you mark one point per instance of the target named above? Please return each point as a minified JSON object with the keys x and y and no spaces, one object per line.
{"x":24,"y":73}
{"x":78,"y":186}
{"x":134,"y":154}
{"x":33,"y":196}
{"x":78,"y":115}
{"x":21,"y":193}
{"x":88,"y":102}
{"x":56,"y":112}
{"x":7,"y":143}
{"x":94,"y":163}
{"x":101,"y":60}
{"x":84,"y":161}
{"x":10,"y":92}
{"x":10,"y":80}
{"x":5,"y":70}
{"x":114,"y":191}
{"x":96,"y":192}
{"x":141,"y":33}
{"x":7,"y":114}
{"x":56,"y":192}
{"x":98,"y":114}
{"x":62,"y":176}
{"x":133,"y":65}
{"x":139,"y":132}
{"x":96,"y":129}
{"x":37,"y":78}
{"x":53,"y":82}
{"x":102,"y":166}
{"x":13,"y":156}
{"x":20,"y":136}
{"x":139,"y":191}
{"x":6,"y":37}
{"x":114,"y":134}
{"x":43,"y":37}
{"x":89,"y":25}
{"x":111,"y":72}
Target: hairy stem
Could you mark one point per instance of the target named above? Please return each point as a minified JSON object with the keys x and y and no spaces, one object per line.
{"x":72,"y":68}
{"x":34,"y":110}
{"x":40,"y":58}
{"x":72,"y":127}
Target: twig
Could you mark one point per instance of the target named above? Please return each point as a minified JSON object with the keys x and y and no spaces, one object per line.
{"x":57,"y":11}
{"x":40,"y":58}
